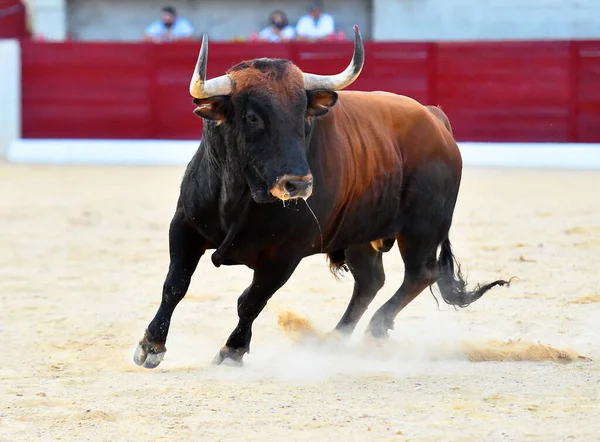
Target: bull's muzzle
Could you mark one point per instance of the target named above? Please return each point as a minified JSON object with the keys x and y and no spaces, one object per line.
{"x":290,"y":187}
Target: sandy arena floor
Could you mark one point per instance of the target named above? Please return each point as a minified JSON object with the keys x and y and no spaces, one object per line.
{"x":83,"y":254}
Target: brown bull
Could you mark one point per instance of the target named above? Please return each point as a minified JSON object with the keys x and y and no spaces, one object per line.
{"x":356,"y":171}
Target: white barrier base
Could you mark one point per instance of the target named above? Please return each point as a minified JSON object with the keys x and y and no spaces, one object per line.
{"x":10,"y":93}
{"x":162,"y":152}
{"x":129,"y":152}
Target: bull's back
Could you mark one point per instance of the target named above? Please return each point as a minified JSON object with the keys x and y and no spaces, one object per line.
{"x":414,"y":131}
{"x":369,"y":145}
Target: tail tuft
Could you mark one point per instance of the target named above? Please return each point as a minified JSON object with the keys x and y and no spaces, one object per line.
{"x":453,"y":286}
{"x":337,"y":263}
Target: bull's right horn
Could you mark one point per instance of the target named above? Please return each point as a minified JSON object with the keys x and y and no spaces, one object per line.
{"x":345,"y":78}
{"x":199,"y":87}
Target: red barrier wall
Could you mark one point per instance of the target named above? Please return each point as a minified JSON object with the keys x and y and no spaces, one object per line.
{"x":509,"y":91}
{"x":13,"y":21}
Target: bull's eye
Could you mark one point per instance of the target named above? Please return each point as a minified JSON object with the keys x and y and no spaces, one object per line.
{"x":253,"y":119}
{"x":254,"y":126}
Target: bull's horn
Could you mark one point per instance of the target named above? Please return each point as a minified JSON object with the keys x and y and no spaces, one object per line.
{"x":345,"y":78}
{"x":199,"y":87}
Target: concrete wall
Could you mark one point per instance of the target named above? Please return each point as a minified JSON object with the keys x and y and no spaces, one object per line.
{"x":221,"y":19}
{"x":485,"y":20}
{"x":10,"y":93}
{"x":48,"y":18}
{"x":380,"y":19}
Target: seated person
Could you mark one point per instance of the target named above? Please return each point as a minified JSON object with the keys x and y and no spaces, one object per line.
{"x":278,"y":29}
{"x":316,"y":25}
{"x":169,"y":28}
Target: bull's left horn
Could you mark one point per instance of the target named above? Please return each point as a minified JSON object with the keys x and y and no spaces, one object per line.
{"x":345,"y":78}
{"x":199,"y":87}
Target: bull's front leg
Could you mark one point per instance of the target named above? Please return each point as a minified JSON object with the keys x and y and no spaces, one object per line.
{"x":270,"y":274}
{"x":186,"y":247}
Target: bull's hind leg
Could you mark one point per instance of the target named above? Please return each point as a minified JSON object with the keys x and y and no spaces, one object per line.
{"x":366,"y":265}
{"x":270,"y":274}
{"x":420,"y":271}
{"x":186,"y":247}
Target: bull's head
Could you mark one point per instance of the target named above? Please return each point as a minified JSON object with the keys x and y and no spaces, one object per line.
{"x":263,"y":109}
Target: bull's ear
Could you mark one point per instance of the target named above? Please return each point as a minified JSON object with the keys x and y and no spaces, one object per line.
{"x":213,"y":108}
{"x":320,"y":101}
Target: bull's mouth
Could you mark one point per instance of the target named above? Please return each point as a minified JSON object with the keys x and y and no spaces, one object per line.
{"x":290,"y":187}
{"x":262,"y":196}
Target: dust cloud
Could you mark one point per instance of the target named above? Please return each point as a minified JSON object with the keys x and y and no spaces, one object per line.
{"x":301,"y":352}
{"x":302,"y":331}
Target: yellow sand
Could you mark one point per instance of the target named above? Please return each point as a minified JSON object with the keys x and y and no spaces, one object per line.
{"x":83,"y":256}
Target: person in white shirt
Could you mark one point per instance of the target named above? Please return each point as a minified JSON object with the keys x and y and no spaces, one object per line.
{"x":278,"y":30}
{"x":169,"y":28}
{"x":316,"y":25}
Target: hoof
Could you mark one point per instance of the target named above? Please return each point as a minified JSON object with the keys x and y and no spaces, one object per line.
{"x":378,"y":329}
{"x":230,"y":357}
{"x":147,"y":355}
{"x":378,"y":333}
{"x":340,"y":333}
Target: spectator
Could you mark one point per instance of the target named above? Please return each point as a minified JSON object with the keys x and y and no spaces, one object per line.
{"x":169,"y":28}
{"x":316,"y":25}
{"x":278,"y":29}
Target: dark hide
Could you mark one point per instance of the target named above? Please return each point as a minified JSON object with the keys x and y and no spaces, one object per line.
{"x":383,"y":167}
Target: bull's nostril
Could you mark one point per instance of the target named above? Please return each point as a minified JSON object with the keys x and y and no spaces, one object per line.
{"x":289,"y":187}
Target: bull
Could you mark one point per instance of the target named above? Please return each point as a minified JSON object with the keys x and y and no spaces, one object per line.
{"x":352,"y":172}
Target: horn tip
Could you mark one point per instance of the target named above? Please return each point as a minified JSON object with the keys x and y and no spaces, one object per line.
{"x":355,"y":27}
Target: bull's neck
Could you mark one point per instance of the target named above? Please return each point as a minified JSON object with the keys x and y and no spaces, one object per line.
{"x":225,"y":176}
{"x":227,"y":181}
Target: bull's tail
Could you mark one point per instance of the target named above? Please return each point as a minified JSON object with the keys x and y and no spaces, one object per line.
{"x":451,"y":283}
